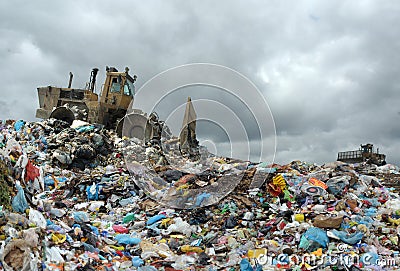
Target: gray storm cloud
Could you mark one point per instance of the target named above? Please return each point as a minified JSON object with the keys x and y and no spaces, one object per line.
{"x":329,"y":70}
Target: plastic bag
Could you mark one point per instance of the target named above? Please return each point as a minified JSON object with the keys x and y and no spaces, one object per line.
{"x":127,"y":201}
{"x":154,"y":219}
{"x":37,"y":218}
{"x":348,"y":238}
{"x":182,"y":262}
{"x":314,"y":238}
{"x":57,"y":212}
{"x":81,"y":217}
{"x":17,"y":219}
{"x":147,"y":268}
{"x":16,"y":256}
{"x":136,"y":261}
{"x":179,"y":226}
{"x":94,"y":206}
{"x":127,"y":239}
{"x":19,"y":203}
{"x":53,"y":254}
{"x":18,"y":125}
{"x":13,"y":146}
{"x":233,"y":259}
{"x":120,"y":229}
{"x":22,"y":161}
{"x":95,"y":230}
{"x":128,"y":218}
{"x":336,"y":185}
{"x":92,"y":192}
{"x":148,"y":250}
{"x":370,"y":212}
{"x":245,"y":265}
{"x":202,"y":197}
{"x":31,"y":172}
{"x":62,"y":157}
{"x":31,"y":238}
{"x":370,"y":258}
{"x":85,"y":128}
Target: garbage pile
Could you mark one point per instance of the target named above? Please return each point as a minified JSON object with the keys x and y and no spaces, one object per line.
{"x":80,"y":198}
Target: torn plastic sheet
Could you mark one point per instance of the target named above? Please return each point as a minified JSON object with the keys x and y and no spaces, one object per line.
{"x":175,"y":197}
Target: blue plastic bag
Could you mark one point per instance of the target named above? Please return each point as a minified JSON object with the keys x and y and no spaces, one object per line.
{"x":137,"y":261}
{"x":86,"y":128}
{"x":154,"y":219}
{"x":200,"y":198}
{"x":92,"y":192}
{"x":95,"y":230}
{"x":245,"y":265}
{"x":366,"y":220}
{"x":90,"y":248}
{"x":18,"y":125}
{"x":19,"y":203}
{"x":81,"y":217}
{"x":350,"y":239}
{"x":127,"y":239}
{"x":370,"y":258}
{"x":147,"y":268}
{"x":370,"y":212}
{"x":314,"y":238}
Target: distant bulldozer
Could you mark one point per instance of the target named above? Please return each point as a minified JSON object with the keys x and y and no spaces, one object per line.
{"x":366,"y":153}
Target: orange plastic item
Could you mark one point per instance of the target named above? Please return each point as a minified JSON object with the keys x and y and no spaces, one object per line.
{"x":317,"y":182}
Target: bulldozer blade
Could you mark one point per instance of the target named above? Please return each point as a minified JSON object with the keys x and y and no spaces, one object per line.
{"x":64,"y":114}
{"x":132,"y":125}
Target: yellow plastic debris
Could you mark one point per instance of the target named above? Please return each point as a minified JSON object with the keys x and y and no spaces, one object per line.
{"x":182,"y":187}
{"x":394,"y":221}
{"x":279,"y":181}
{"x":256,"y":253}
{"x":299,"y":217}
{"x":58,"y":238}
{"x":178,"y":236}
{"x":187,"y":248}
{"x":117,"y":248}
{"x":318,"y":252}
{"x":165,"y":222}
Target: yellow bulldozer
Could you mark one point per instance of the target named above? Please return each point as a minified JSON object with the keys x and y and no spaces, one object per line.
{"x":69,"y":104}
{"x":111,"y":108}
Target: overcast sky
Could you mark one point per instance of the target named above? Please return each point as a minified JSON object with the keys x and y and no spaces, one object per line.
{"x":328,"y":69}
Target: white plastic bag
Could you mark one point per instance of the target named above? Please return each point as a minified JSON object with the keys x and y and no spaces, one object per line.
{"x":37,"y":217}
{"x":53,"y":254}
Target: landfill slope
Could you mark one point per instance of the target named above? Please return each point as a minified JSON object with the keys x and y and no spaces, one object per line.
{"x":81,"y":198}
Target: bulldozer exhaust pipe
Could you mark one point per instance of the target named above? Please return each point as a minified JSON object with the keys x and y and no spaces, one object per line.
{"x":70,"y":79}
{"x":93,"y":79}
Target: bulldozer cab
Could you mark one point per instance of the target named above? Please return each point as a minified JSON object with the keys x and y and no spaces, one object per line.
{"x":367,"y":148}
{"x":118,"y":89}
